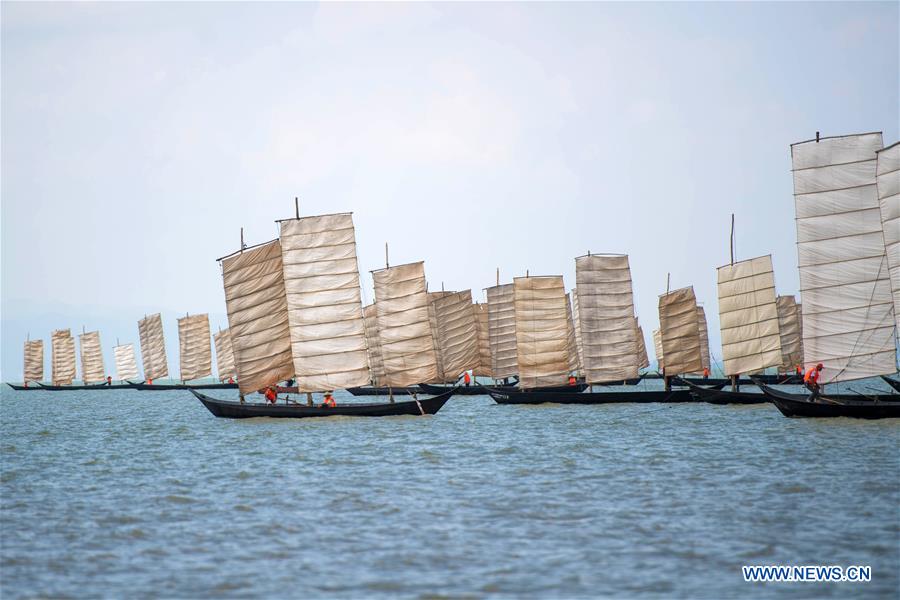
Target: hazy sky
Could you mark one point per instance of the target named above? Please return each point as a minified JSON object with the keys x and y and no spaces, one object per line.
{"x":138,"y":138}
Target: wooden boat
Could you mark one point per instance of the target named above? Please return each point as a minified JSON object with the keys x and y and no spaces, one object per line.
{"x":476,"y":390}
{"x":231,"y":409}
{"x":717,"y":395}
{"x":22,"y":388}
{"x":162,"y":387}
{"x":383,"y":390}
{"x":90,"y":386}
{"x":501,"y":396}
{"x":880,"y":406}
{"x":153,"y":347}
{"x":892,"y":382}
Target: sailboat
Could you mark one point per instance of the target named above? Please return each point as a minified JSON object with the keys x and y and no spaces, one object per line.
{"x":456,"y":341}
{"x":224,"y":355}
{"x":63,"y":362}
{"x":848,"y":316}
{"x":153,"y":348}
{"x":296,"y":302}
{"x":376,"y":361}
{"x":33,"y":366}
{"x":126,"y":364}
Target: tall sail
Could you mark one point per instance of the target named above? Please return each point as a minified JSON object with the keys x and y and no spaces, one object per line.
{"x":541,"y":336}
{"x":643,"y":359}
{"x":92,"y":368}
{"x":321,"y":279}
{"x":376,"y":361}
{"x":194,"y":347}
{"x":126,"y":365}
{"x":680,"y":332}
{"x":789,"y":327}
{"x":704,"y":337}
{"x":748,"y":316}
{"x":606,"y":316}
{"x":457,"y":333}
{"x":576,"y":323}
{"x":153,"y":347}
{"x":571,"y":341}
{"x":658,"y":349}
{"x":407,"y":344}
{"x":442,"y":377}
{"x":502,"y":323}
{"x":62,"y":345}
{"x":224,"y":355}
{"x":484,"y":368}
{"x":34,"y":360}
{"x":848,"y":314}
{"x":257,"y":316}
{"x":888,"y":182}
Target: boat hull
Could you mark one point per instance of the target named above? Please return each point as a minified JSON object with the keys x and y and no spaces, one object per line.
{"x":883,"y":406}
{"x":640,"y":397}
{"x":162,"y":387}
{"x":22,"y":388}
{"x":722,"y":396}
{"x":384,"y":391}
{"x":463,"y":390}
{"x":892,"y":382}
{"x":97,"y":386}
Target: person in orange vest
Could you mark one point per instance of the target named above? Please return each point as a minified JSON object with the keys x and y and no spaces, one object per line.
{"x":811,"y":379}
{"x":705,"y":372}
{"x":150,"y":381}
{"x":271,"y":396}
{"x":329,"y":401}
{"x":571,"y":380}
{"x":466,"y":379}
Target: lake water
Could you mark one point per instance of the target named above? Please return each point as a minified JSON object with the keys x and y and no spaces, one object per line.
{"x":145,"y":494}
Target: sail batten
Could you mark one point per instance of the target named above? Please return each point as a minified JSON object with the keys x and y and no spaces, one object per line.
{"x":224,"y":355}
{"x":126,"y":364}
{"x":92,"y":368}
{"x":195,"y":351}
{"x":34,"y":361}
{"x":153,"y":347}
{"x":62,"y":346}
{"x":502,"y":323}
{"x":848,"y":318}
{"x":887,"y":172}
{"x":541,"y":331}
{"x":457,"y":333}
{"x":680,"y":332}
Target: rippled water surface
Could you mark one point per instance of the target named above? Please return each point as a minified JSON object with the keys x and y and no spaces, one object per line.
{"x":145,"y":494}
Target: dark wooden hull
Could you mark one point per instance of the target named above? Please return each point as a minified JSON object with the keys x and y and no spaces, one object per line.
{"x":95,"y":386}
{"x":722,"y":396}
{"x":633,"y":381}
{"x":882,"y":406}
{"x":767,"y":379}
{"x":463,"y":390}
{"x":22,"y":388}
{"x":384,"y":391}
{"x":892,"y":382}
{"x":641,"y":397}
{"x":162,"y":387}
{"x":231,"y":409}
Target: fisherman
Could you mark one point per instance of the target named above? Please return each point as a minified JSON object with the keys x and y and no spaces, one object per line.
{"x":467,"y":379}
{"x":811,"y":379}
{"x":150,"y":381}
{"x":231,"y":380}
{"x":705,"y":372}
{"x":108,"y":380}
{"x":271,"y":396}
{"x":329,"y":401}
{"x":572,"y":380}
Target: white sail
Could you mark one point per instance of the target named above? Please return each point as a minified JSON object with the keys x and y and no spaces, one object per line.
{"x":888,"y":182}
{"x":321,"y":278}
{"x":376,"y":361}
{"x":34,"y":360}
{"x":195,"y":350}
{"x":657,"y":346}
{"x":442,"y":377}
{"x":92,"y":368}
{"x":257,"y":316}
{"x":848,"y":313}
{"x":126,"y":364}
{"x":571,"y":341}
{"x":457,"y":333}
{"x":576,"y":322}
{"x":502,"y":322}
{"x":153,"y":347}
{"x":789,"y":328}
{"x":606,"y":316}
{"x":704,"y":337}
{"x":407,"y":344}
{"x":484,"y":368}
{"x":224,"y":355}
{"x":541,"y":336}
{"x":680,"y":332}
{"x":62,"y":346}
{"x":643,"y":359}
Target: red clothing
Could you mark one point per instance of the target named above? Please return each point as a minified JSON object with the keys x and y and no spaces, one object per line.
{"x":271,"y":396}
{"x":466,"y":378}
{"x":329,"y":401}
{"x":571,"y":381}
{"x":812,"y":376}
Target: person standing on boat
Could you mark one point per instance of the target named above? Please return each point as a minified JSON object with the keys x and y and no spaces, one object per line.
{"x":706,"y":373}
{"x":572,"y":380}
{"x":271,"y":396}
{"x":108,"y":380}
{"x":466,"y":379}
{"x":329,"y":401}
{"x":811,"y":379}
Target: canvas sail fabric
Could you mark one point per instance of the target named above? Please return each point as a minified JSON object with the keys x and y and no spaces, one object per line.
{"x":888,"y":183}
{"x":502,"y":323}
{"x":789,"y":327}
{"x":92,"y":368}
{"x":680,"y":332}
{"x":442,"y":377}
{"x":457,"y":333}
{"x":541,"y":331}
{"x":576,"y":322}
{"x":126,"y":364}
{"x":606,"y":316}
{"x":62,"y":346}
{"x":224,"y":355}
{"x":376,"y":362}
{"x":321,"y":279}
{"x":153,"y":347}
{"x":407,"y":344}
{"x":257,"y":316}
{"x":848,"y":309}
{"x":704,"y":337}
{"x":657,"y":346}
{"x":484,"y":368}
{"x":34,"y":360}
{"x":643,"y":359}
{"x":194,"y":347}
{"x":571,"y":342}
{"x":748,"y":316}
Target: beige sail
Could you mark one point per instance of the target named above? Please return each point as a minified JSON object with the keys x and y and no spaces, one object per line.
{"x":657,"y":346}
{"x":789,"y":328}
{"x":442,"y":377}
{"x":376,"y":361}
{"x":257,"y":316}
{"x":153,"y":347}
{"x":407,"y":344}
{"x":606,"y":316}
{"x":484,"y":368}
{"x":34,"y":361}
{"x":571,"y":342}
{"x":321,"y":279}
{"x":92,"y":368}
{"x":704,"y":337}
{"x":888,"y":183}
{"x":848,"y":309}
{"x":502,"y":323}
{"x":62,"y":346}
{"x":224,"y":355}
{"x":457,"y":333}
{"x":576,"y":322}
{"x":194,"y":347}
{"x":748,"y":316}
{"x":126,"y":364}
{"x":541,"y":332}
{"x":680,"y":332}
{"x":643,"y":359}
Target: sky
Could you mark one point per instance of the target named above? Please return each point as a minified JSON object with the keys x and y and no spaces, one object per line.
{"x":138,"y":139}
